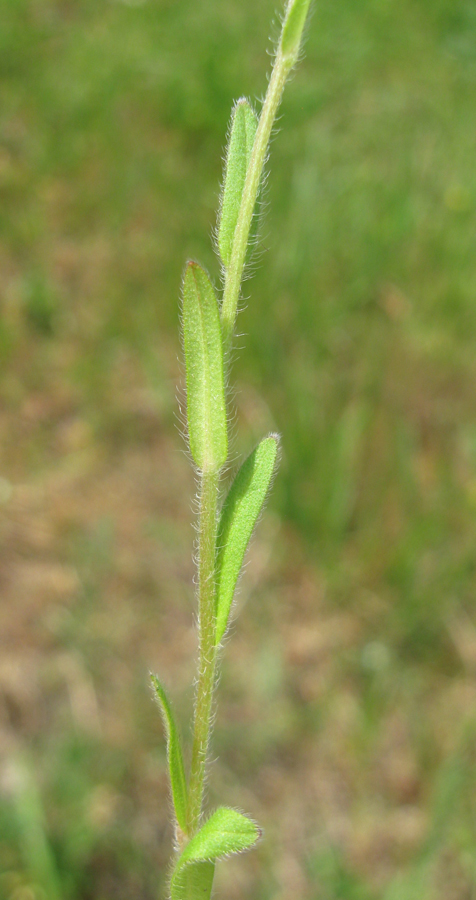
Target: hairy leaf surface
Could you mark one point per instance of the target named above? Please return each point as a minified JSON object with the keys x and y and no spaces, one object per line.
{"x":226,"y":831}
{"x":206,"y":410}
{"x":238,"y":518}
{"x":240,"y":146}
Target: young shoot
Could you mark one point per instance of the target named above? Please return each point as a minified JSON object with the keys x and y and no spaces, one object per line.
{"x":208,"y":324}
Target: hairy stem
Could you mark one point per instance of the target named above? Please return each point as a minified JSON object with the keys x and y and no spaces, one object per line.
{"x":210,"y":482}
{"x":234,"y":272}
{"x":285,"y":58}
{"x":207,"y":650}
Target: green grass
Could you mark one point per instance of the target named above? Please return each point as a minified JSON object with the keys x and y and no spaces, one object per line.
{"x":361,"y":334}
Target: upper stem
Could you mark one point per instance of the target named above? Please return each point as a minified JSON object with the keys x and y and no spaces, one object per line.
{"x":207,"y":650}
{"x":234,"y":272}
{"x":285,"y":59}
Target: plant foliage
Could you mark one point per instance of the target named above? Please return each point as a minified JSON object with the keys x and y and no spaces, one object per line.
{"x":222,"y":540}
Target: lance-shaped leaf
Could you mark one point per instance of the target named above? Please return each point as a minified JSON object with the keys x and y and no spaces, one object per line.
{"x":291,"y":36}
{"x":226,"y":831}
{"x":174,"y":755}
{"x":240,"y":147}
{"x":238,"y":518}
{"x":206,"y":410}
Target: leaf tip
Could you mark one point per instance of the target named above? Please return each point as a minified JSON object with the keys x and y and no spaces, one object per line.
{"x":274,"y":436}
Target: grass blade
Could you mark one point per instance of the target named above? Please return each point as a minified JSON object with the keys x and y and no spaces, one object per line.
{"x":206,"y":410}
{"x":240,"y":146}
{"x":174,"y":755}
{"x":238,"y":518}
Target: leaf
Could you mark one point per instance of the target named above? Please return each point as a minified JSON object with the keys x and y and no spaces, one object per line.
{"x":174,"y":755}
{"x":206,"y":409}
{"x":226,"y":831}
{"x":293,"y":27}
{"x":243,"y":127}
{"x":237,"y":521}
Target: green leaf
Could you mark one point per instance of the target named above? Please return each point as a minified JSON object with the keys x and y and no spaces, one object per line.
{"x":243,"y":127}
{"x":226,"y":831}
{"x":174,"y":755}
{"x":237,"y":521}
{"x":293,"y":27}
{"x":206,"y":410}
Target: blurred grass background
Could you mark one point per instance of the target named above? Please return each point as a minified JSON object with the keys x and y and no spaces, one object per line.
{"x":348,"y":704}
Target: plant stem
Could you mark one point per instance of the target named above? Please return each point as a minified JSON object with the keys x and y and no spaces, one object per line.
{"x":207,"y":641}
{"x":210,"y":481}
{"x":234,"y":272}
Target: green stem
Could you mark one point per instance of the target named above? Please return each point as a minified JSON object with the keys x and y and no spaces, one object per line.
{"x":207,"y":650}
{"x":285,"y":59}
{"x":234,"y":272}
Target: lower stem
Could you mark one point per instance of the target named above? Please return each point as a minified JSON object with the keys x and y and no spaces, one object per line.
{"x":207,"y":651}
